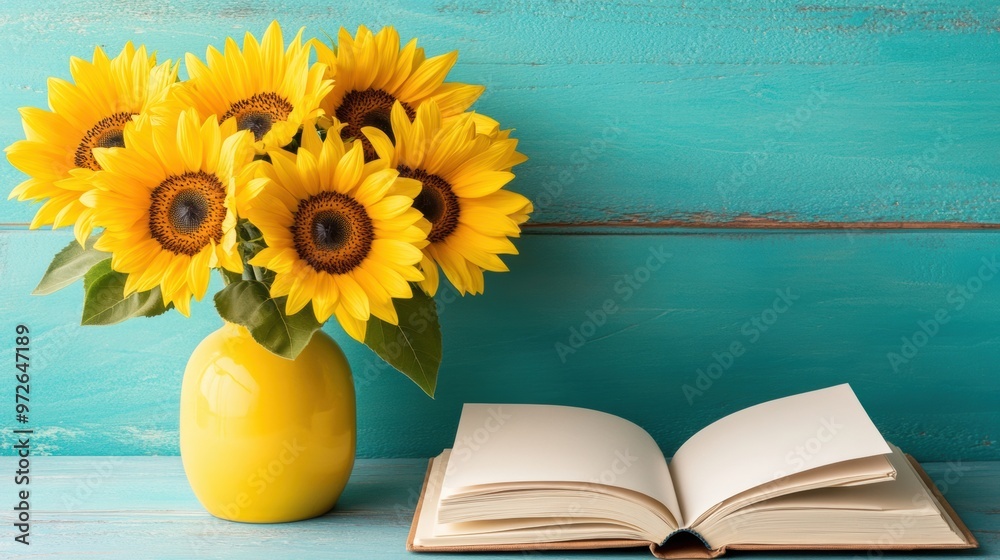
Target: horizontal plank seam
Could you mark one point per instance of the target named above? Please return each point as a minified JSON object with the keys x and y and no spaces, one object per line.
{"x":766,"y":223}
{"x":738,"y":224}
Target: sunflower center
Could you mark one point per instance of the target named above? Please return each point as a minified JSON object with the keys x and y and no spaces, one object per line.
{"x":436,"y":201}
{"x":186,"y":212}
{"x":381,"y":121}
{"x":332,"y":232}
{"x":369,"y":107}
{"x":259,"y":112}
{"x":107,"y":133}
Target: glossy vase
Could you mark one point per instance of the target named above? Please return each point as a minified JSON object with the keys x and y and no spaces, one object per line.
{"x":265,"y":439}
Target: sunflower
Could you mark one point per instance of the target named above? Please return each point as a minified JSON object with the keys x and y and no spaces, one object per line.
{"x":265,"y":88}
{"x":89,"y":112}
{"x":463,"y":172}
{"x":340,"y":233}
{"x":372,"y":72}
{"x":167,"y":206}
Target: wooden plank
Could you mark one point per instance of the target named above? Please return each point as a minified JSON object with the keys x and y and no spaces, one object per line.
{"x":115,"y":507}
{"x":543,"y":334}
{"x":660,"y":111}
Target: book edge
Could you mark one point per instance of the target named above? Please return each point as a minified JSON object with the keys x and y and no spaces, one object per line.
{"x":420,"y":505}
{"x":666,"y":552}
{"x":970,"y":539}
{"x":594,"y":544}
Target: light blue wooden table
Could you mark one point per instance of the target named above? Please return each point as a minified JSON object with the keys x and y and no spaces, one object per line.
{"x":843,"y":153}
{"x":141,"y":507}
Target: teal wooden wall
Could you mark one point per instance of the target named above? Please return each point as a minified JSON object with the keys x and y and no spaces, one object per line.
{"x":843,"y":154}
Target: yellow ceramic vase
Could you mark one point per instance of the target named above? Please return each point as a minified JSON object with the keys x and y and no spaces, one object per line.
{"x":265,"y":439}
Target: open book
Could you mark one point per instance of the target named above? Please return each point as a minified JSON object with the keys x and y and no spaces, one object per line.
{"x":810,"y":471}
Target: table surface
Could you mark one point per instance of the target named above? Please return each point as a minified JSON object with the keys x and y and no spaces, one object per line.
{"x":142,"y":507}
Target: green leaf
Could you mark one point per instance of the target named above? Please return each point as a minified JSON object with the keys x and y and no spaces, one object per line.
{"x":251,"y":243}
{"x":104,"y":302}
{"x":414,"y":345}
{"x":249,"y":303}
{"x":68,"y":266}
{"x":228,"y":276}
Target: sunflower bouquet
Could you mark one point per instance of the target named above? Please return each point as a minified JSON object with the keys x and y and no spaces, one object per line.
{"x":319,"y":180}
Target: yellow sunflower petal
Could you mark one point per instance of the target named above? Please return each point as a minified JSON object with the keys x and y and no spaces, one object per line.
{"x":140,"y":203}
{"x":465,"y":172}
{"x":266,"y":88}
{"x":353,"y":297}
{"x":300,"y":292}
{"x":397,"y":251}
{"x":452,"y":265}
{"x":353,"y":326}
{"x":382,"y":144}
{"x":452,"y":99}
{"x":349,"y":169}
{"x":181,"y":301}
{"x":188,"y":140}
{"x":429,"y":76}
{"x":431,"y":281}
{"x":390,"y":207}
{"x":323,"y":191}
{"x":482,"y":183}
{"x":86,"y":113}
{"x":328,"y":297}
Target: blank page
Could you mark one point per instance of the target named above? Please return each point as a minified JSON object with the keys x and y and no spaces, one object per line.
{"x":768,"y":441}
{"x":510,"y":443}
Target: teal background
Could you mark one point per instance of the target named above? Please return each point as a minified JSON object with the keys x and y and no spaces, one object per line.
{"x":843,"y":153}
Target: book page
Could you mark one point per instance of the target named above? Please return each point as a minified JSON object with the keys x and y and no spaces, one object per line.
{"x":531,"y":533}
{"x":522,"y":443}
{"x":901,"y":512}
{"x":769,"y":441}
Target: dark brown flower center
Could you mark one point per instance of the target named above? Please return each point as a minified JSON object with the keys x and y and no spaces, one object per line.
{"x":187,"y":211}
{"x":436,"y":201}
{"x":259,"y":112}
{"x":370,"y":107}
{"x":332,"y":232}
{"x":107,"y":133}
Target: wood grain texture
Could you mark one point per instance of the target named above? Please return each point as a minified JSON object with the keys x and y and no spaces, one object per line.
{"x":854,"y":298}
{"x":638,"y":112}
{"x":120,"y":507}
